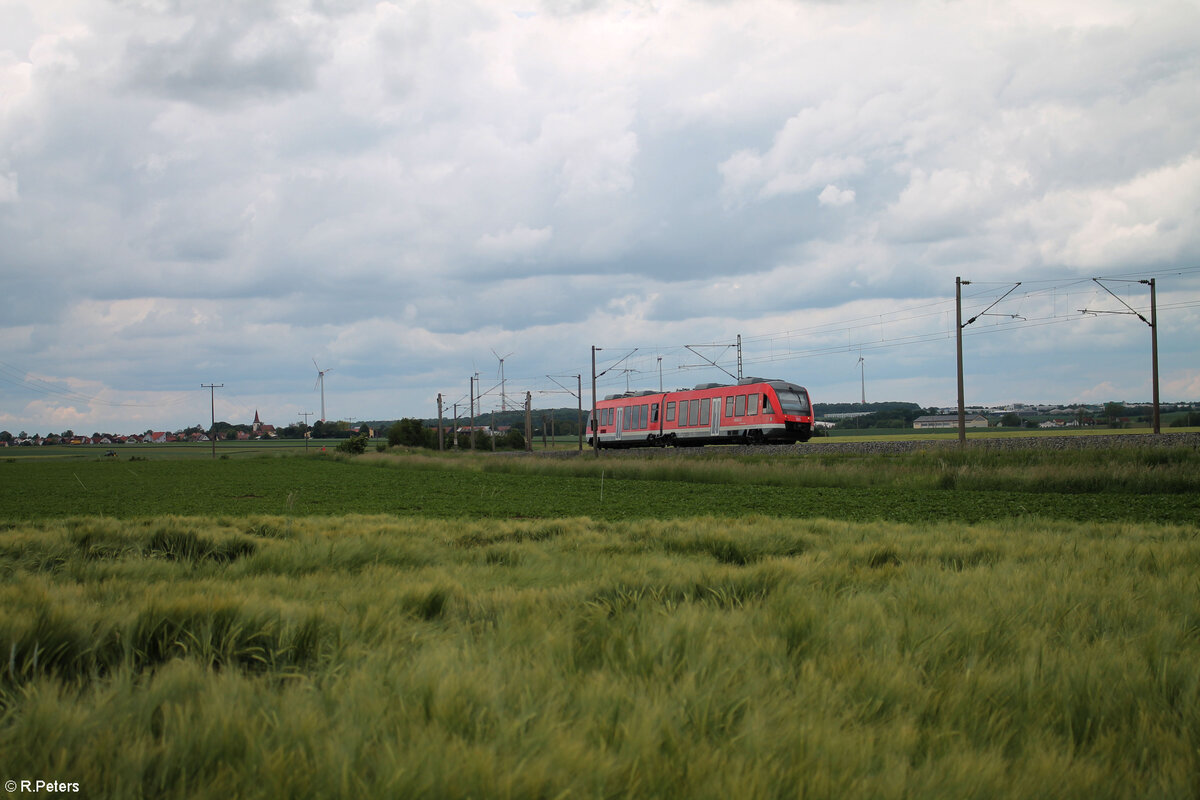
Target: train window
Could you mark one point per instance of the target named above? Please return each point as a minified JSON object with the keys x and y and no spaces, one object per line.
{"x":729,"y":406}
{"x":671,"y":411}
{"x":767,"y":404}
{"x":704,"y":405}
{"x":645,"y":417}
{"x":740,"y":407}
{"x":694,"y":413}
{"x":653,"y":413}
{"x":608,"y":417}
{"x":792,"y":402}
{"x":752,"y":403}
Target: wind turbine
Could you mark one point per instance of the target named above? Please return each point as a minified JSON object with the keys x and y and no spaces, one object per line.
{"x":321,"y":381}
{"x":503,"y":400}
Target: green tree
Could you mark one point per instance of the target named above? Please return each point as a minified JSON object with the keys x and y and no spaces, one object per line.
{"x":1114,"y":411}
{"x":1010,"y":420}
{"x":407,"y":432}
{"x":513,"y":439}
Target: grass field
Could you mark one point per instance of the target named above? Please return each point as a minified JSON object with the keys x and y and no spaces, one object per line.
{"x":948,"y":624}
{"x":1139,"y":485}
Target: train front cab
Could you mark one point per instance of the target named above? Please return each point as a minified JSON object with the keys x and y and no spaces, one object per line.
{"x":795,"y":410}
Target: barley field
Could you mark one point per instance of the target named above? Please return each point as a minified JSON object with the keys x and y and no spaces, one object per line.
{"x":327,"y":650}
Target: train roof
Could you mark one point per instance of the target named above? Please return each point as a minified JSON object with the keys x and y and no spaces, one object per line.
{"x":624,"y":395}
{"x":745,"y":382}
{"x":775,"y":382}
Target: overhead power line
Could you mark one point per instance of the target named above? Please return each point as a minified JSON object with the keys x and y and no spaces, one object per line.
{"x":16,"y":376}
{"x":1006,"y":308}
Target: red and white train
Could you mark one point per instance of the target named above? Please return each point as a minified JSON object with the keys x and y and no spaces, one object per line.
{"x":750,"y":411}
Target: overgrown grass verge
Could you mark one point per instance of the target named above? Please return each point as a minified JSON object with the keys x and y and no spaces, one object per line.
{"x":697,"y":657}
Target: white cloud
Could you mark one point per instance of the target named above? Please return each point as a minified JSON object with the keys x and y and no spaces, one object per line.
{"x":1153,"y":218}
{"x":833,"y":196}
{"x":514,"y":243}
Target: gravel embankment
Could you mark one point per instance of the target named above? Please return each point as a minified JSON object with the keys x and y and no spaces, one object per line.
{"x":817,"y":446}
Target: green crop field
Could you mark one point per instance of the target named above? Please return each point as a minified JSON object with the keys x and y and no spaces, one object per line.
{"x":934,"y":624}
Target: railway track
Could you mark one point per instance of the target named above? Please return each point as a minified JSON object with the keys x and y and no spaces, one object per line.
{"x":889,"y":447}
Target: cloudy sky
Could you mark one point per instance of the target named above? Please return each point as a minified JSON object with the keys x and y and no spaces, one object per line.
{"x":222,"y":191}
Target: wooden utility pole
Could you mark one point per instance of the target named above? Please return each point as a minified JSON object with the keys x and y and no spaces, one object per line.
{"x":1152,"y":322}
{"x":472,"y":379}
{"x":441,"y":437}
{"x":212,"y":399}
{"x":958,"y":284}
{"x":1154,"y":352}
{"x":306,"y":415}
{"x":962,"y":412}
{"x":595,"y":428}
{"x":528,"y":422}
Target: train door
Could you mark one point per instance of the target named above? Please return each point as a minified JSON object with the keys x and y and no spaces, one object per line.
{"x":714,"y":419}
{"x":620,"y":412}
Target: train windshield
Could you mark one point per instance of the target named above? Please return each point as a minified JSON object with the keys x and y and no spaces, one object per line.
{"x":792,"y":402}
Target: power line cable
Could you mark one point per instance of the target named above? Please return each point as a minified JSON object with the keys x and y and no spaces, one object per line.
{"x":16,"y":376}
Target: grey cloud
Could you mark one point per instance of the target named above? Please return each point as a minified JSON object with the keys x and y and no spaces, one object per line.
{"x":389,"y":185}
{"x":226,"y":56}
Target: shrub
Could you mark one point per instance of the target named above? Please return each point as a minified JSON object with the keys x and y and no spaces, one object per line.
{"x":355,"y":445}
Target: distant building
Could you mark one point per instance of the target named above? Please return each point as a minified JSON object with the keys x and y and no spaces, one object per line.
{"x":949,"y":421}
{"x":260,"y":429}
